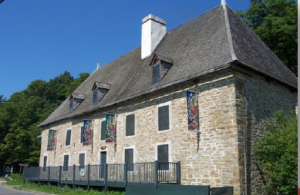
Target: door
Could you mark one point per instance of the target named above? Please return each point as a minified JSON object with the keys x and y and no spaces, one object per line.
{"x":103,"y":157}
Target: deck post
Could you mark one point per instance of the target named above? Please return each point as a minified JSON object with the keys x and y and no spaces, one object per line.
{"x":49,"y":175}
{"x":59,"y":176}
{"x":105,"y":177}
{"x":39,"y":176}
{"x":74,"y":169}
{"x":88,"y":176}
{"x":125,"y":174}
{"x":156,"y":173}
{"x":178,"y":172}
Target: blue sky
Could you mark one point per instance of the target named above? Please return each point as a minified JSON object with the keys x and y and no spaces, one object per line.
{"x":40,"y":39}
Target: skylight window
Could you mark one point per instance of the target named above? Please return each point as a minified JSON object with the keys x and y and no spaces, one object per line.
{"x":99,"y":90}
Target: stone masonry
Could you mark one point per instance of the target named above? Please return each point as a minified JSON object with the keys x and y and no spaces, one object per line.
{"x":232,"y":107}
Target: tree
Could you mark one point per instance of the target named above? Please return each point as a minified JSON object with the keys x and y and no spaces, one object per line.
{"x":275,"y":22}
{"x":21,"y":114}
{"x":276,"y":152}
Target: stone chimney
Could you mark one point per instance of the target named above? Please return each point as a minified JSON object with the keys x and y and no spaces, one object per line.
{"x":153,"y":31}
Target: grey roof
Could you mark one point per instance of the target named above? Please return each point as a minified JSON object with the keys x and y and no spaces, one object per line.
{"x":77,"y":96}
{"x":101,"y":85}
{"x":205,"y":44}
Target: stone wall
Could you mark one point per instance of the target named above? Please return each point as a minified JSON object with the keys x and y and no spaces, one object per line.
{"x":216,"y":162}
{"x":232,"y":107}
{"x":257,"y":99}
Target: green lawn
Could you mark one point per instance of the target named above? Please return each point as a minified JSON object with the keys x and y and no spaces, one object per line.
{"x":17,"y":182}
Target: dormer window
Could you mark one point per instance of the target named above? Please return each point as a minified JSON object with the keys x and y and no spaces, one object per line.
{"x":160,"y":66}
{"x":99,"y":90}
{"x":75,"y":101}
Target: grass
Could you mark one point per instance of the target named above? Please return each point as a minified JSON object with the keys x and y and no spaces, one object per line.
{"x":17,"y":182}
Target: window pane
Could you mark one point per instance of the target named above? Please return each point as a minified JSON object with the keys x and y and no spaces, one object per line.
{"x":71,"y":106}
{"x":130,"y":120}
{"x":66,"y":163}
{"x":68,"y":138}
{"x":163,"y":156}
{"x":156,"y":73}
{"x":163,"y":118}
{"x":129,"y":159}
{"x":103,"y":126}
{"x":95,"y":96}
{"x":81,"y":160}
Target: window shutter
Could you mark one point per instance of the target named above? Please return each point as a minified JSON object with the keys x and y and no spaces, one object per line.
{"x":163,"y":156}
{"x":129,"y":159}
{"x":103,"y":126}
{"x":163,"y":118}
{"x":66,"y":163}
{"x":45,"y":163}
{"x":81,"y":160}
{"x":130,"y":120}
{"x":68,"y":138}
{"x":81,"y":135}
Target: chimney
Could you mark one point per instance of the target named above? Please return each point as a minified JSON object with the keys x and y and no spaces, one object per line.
{"x":153,"y":31}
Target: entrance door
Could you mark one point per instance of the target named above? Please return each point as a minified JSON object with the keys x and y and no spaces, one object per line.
{"x":103,"y":157}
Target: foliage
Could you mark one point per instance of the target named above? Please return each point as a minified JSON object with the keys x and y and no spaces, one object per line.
{"x":21,"y":114}
{"x":275,"y":22}
{"x":65,"y":190}
{"x":276,"y":152}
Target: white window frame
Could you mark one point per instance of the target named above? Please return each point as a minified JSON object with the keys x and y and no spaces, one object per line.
{"x":68,"y":129}
{"x":135,"y":129}
{"x":134,"y":153}
{"x":170,"y":117}
{"x":69,"y":163}
{"x":101,"y":130}
{"x":169,"y":150}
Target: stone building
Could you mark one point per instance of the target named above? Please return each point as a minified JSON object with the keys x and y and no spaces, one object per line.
{"x":238,"y":80}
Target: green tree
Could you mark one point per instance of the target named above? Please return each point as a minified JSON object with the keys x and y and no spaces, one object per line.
{"x":275,"y":22}
{"x":21,"y":114}
{"x":276,"y":152}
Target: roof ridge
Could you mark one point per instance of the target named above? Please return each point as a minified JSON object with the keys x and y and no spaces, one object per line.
{"x":228,"y":30}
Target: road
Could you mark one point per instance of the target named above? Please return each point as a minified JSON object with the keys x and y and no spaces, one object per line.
{"x":5,"y":190}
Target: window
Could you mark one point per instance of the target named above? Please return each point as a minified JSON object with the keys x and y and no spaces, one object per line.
{"x":163,"y":156}
{"x":45,"y":163}
{"x":130,"y":124}
{"x":81,"y":160}
{"x":103,"y":127}
{"x":163,"y":118}
{"x":129,"y":159}
{"x":68,"y":137}
{"x":103,"y":161}
{"x":75,"y":101}
{"x":71,"y":106}
{"x":156,"y":73}
{"x":81,"y":134}
{"x":95,"y":96}
{"x":66,"y":163}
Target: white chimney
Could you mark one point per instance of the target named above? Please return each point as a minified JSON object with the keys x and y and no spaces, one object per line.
{"x":153,"y":31}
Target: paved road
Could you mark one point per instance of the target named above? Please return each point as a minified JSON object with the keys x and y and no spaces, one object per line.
{"x":5,"y":190}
